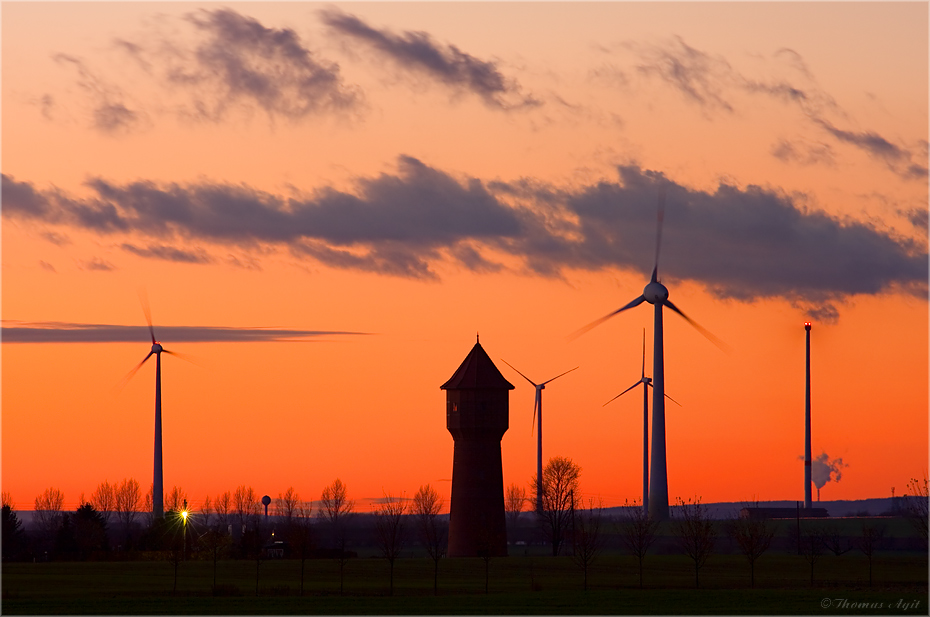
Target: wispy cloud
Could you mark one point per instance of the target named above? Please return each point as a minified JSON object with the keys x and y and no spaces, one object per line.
{"x":96,"y":264}
{"x":712,"y":83}
{"x":64,"y":332}
{"x":231,"y":63}
{"x":740,"y":242}
{"x":447,"y":64}
{"x":109,"y":111}
{"x":168,"y":253}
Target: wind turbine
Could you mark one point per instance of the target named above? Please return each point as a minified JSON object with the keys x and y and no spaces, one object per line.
{"x":538,"y":405}
{"x":656,"y":293}
{"x":647,"y":383}
{"x":158,"y":493}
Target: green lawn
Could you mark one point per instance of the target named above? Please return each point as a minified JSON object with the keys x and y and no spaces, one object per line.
{"x":518,"y":585}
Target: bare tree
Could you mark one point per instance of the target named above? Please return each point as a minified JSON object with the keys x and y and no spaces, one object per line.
{"x":47,"y":511}
{"x":872,"y":535}
{"x":637,"y":532}
{"x":336,"y":508}
{"x":285,"y":506}
{"x":391,"y":528}
{"x":812,"y":547}
{"x":916,"y":505}
{"x":246,"y":505}
{"x":214,"y":537}
{"x":222,"y":505}
{"x":514,"y":501}
{"x":205,"y":514}
{"x":560,"y":485}
{"x":127,"y":496}
{"x":753,"y":536}
{"x":587,"y":539}
{"x":835,"y":541}
{"x":7,"y":500}
{"x":696,"y":533}
{"x":426,"y":506}
{"x":175,"y":499}
{"x":103,"y":499}
{"x":148,"y":507}
{"x":300,"y":535}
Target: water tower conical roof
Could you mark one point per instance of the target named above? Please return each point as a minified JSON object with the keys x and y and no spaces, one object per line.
{"x":477,"y":371}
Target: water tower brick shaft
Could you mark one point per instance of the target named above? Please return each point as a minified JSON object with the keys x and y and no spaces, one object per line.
{"x":477,"y":416}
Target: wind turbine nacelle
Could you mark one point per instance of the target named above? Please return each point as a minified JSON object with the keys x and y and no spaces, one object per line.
{"x":157,"y":348}
{"x":655,"y":292}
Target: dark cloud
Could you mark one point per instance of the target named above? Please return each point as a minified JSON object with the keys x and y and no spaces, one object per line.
{"x":168,"y":253}
{"x":803,"y":153}
{"x":417,"y":51}
{"x":61,"y":332}
{"x":918,"y":218}
{"x":827,"y":313}
{"x":97,"y":264}
{"x":739,"y":242}
{"x":243,"y":61}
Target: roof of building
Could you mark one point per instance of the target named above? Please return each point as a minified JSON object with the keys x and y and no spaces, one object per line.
{"x":477,"y":371}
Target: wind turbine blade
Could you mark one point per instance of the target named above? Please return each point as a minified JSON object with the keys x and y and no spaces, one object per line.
{"x":594,"y":324}
{"x":143,"y":298}
{"x":521,"y":374}
{"x":183,"y":356}
{"x":713,"y":339}
{"x":667,"y":396}
{"x":125,"y":380}
{"x":624,"y":392}
{"x":535,"y":400}
{"x":557,"y":376}
{"x":660,"y":221}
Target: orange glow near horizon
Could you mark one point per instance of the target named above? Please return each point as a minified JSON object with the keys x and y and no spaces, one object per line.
{"x":367,"y":408}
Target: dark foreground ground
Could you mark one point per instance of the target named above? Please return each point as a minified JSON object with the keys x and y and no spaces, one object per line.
{"x":516,"y":585}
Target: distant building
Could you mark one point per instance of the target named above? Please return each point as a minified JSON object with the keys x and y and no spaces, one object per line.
{"x":764,"y":513}
{"x":477,"y":415}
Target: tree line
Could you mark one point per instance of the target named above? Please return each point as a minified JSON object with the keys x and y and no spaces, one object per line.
{"x":117,"y":522}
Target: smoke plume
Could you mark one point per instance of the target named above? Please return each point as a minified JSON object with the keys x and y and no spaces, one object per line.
{"x":823,"y":470}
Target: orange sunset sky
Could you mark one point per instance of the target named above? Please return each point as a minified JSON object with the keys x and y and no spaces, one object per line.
{"x":384,"y":181}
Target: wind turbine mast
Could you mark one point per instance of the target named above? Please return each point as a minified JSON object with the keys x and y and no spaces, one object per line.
{"x":537,"y":406}
{"x":807,"y":422}
{"x":158,"y":492}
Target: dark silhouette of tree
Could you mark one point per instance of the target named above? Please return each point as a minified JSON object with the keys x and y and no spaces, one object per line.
{"x":637,"y":532}
{"x":696,"y":533}
{"x":335,"y":510}
{"x":245,"y":505}
{"x":13,"y":540}
{"x":869,"y":541}
{"x":90,"y":531}
{"x":286,"y":505}
{"x":300,"y":536}
{"x":753,"y":536}
{"x":6,"y":499}
{"x":175,"y":499}
{"x":391,"y":530}
{"x":514,"y":501}
{"x":222,"y":506}
{"x":127,"y":495}
{"x":426,"y":507}
{"x":812,"y":547}
{"x":916,"y":506}
{"x":104,"y":500}
{"x":47,"y":514}
{"x":587,"y":538}
{"x":560,"y":484}
{"x":213,"y":536}
{"x":835,"y":541}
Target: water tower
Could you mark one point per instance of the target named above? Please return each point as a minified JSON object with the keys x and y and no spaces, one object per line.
{"x":477,"y":415}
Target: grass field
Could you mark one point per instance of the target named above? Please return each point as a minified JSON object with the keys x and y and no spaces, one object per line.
{"x":518,"y":585}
